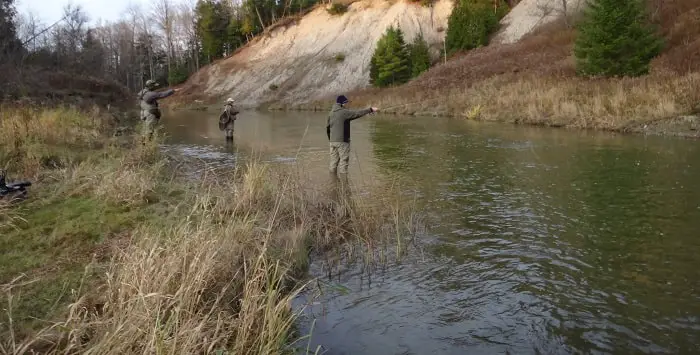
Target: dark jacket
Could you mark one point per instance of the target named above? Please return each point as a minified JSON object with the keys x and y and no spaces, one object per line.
{"x":338,"y":127}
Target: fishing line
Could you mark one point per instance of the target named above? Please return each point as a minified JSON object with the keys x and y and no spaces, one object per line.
{"x":408,"y":104}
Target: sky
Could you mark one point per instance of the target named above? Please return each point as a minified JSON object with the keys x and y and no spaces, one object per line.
{"x":50,"y":11}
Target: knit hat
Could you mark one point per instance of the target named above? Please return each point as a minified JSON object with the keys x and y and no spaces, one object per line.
{"x":342,"y":100}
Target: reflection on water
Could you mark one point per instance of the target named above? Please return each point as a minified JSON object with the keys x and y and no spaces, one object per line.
{"x":284,"y":138}
{"x":545,"y":241}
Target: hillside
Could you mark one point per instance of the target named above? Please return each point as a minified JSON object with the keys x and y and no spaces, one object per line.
{"x":534,"y":81}
{"x":299,"y":59}
{"x":317,"y":55}
{"x":526,"y":75}
{"x":529,"y":15}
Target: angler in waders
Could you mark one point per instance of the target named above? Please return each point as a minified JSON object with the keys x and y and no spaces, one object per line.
{"x":338,"y":130}
{"x":228,"y":118}
{"x":150,"y":112}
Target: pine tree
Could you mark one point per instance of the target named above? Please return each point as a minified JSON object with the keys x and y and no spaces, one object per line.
{"x":390,"y":64}
{"x":373,"y":70}
{"x":234,"y":35}
{"x":212,"y":27}
{"x":92,"y":56}
{"x":419,"y":56}
{"x":471,"y":23}
{"x":9,"y":43}
{"x":615,"y":40}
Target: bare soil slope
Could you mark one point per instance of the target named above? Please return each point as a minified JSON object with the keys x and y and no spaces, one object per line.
{"x":316,"y":56}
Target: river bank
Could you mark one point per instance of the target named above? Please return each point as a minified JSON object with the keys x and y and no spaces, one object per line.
{"x":660,"y":104}
{"x":534,"y":81}
{"x":115,"y":250}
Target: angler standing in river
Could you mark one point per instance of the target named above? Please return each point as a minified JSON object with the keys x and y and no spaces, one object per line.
{"x":150,"y":112}
{"x":338,"y":131}
{"x":228,"y":118}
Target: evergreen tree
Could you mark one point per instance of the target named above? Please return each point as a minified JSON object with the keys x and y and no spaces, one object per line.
{"x":178,"y":74}
{"x":471,"y":23}
{"x":390,"y":64}
{"x":373,"y":70}
{"x":419,"y":56}
{"x":212,"y":27}
{"x":234,"y":35}
{"x":9,"y":43}
{"x":92,"y":55}
{"x":615,"y":39}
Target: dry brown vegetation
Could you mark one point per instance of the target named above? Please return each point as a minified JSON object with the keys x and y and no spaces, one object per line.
{"x":534,"y":81}
{"x":46,"y":86}
{"x":114,"y":252}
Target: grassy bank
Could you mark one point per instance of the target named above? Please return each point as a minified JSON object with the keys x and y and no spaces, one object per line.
{"x":614,"y":104}
{"x":114,"y":252}
{"x":534,"y":81}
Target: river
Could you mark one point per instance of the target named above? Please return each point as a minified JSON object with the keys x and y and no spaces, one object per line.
{"x":544,"y":241}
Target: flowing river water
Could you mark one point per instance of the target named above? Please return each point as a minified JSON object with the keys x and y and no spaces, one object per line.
{"x":544,"y":241}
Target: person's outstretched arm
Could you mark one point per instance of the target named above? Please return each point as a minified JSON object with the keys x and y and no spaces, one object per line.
{"x":355,"y":114}
{"x":155,"y":95}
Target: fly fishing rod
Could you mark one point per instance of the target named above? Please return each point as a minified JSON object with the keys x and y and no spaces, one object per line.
{"x":408,"y":104}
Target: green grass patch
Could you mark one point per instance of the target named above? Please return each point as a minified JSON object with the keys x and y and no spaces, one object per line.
{"x":52,"y":244}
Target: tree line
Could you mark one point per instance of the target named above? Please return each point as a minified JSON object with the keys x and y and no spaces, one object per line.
{"x":171,"y":39}
{"x":166,"y":41}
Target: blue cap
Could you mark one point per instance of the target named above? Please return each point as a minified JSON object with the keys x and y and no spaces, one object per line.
{"x":342,"y":100}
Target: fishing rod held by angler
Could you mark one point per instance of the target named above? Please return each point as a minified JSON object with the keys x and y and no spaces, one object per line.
{"x":408,"y":104}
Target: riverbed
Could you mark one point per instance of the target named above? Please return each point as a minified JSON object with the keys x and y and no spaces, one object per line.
{"x":542,"y":240}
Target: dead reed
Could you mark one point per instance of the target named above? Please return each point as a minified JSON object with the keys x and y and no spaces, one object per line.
{"x":170,"y":265}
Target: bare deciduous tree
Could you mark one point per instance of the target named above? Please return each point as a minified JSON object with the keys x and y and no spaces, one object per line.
{"x":187,"y":26}
{"x":164,"y":15}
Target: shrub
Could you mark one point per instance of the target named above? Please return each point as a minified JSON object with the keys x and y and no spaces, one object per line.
{"x":616,"y":40}
{"x":419,"y":56}
{"x":390,"y":64}
{"x":471,"y":23}
{"x":337,"y":9}
{"x":178,"y":75}
{"x":339,"y":57}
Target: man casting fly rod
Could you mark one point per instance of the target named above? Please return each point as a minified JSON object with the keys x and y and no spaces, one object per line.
{"x":338,"y":131}
{"x":150,"y":111}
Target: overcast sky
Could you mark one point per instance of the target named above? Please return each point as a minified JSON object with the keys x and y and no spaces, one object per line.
{"x":50,"y":11}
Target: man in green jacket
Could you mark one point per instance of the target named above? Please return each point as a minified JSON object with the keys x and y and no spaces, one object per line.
{"x":338,"y":131}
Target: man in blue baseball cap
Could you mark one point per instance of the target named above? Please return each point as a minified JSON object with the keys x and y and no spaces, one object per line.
{"x":338,"y":131}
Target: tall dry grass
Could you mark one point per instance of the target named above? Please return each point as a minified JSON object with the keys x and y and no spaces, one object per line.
{"x":8,"y":216}
{"x":213,"y":267}
{"x":35,"y":139}
{"x":610,"y":104}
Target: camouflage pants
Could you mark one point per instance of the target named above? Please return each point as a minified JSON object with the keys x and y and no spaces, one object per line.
{"x":340,"y":157}
{"x":149,"y":124}
{"x":229,"y":129}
